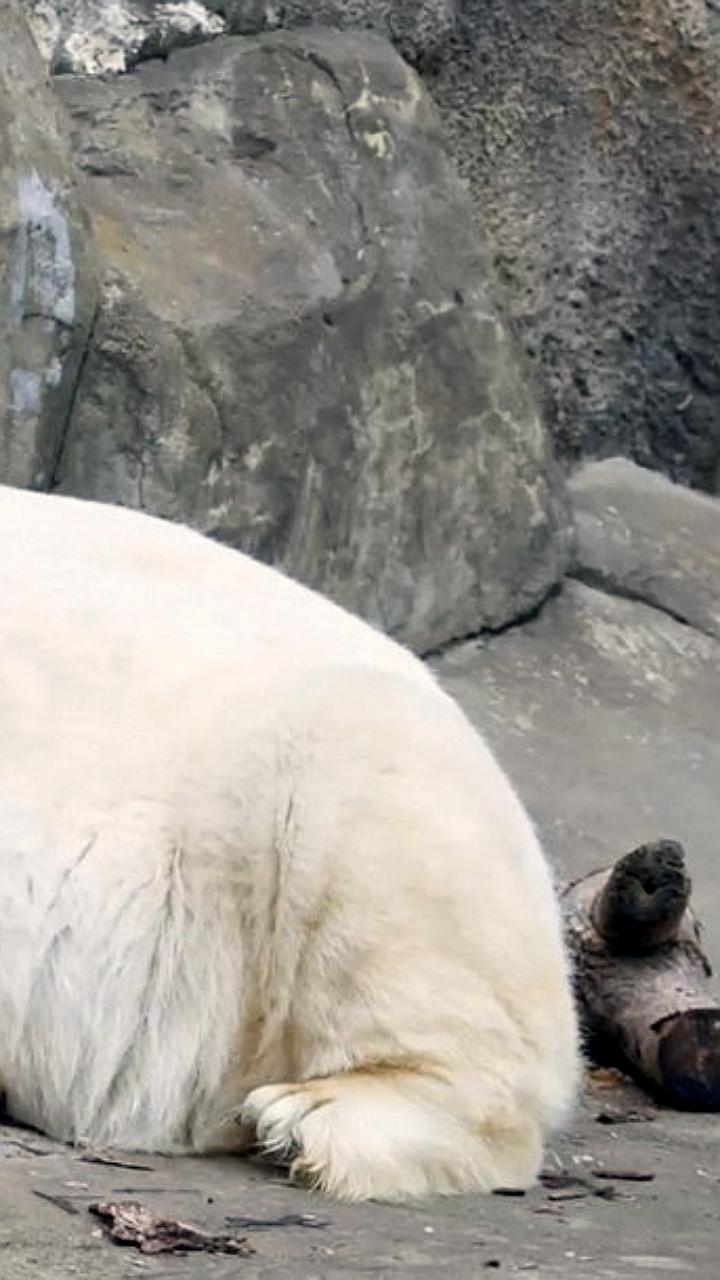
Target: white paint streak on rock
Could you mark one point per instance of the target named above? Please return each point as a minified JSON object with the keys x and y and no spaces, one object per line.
{"x":43,"y":273}
{"x":188,"y":16}
{"x":25,"y":391}
{"x":53,"y":373}
{"x":46,"y":27}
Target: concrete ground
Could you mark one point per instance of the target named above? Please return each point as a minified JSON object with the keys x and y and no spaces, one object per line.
{"x":669,"y":1226}
{"x":606,"y":712}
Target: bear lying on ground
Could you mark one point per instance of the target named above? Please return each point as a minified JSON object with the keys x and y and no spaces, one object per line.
{"x":261,"y":882}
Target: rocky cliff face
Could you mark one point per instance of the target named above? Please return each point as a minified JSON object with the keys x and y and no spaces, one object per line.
{"x":588,"y":131}
{"x":296,"y":349}
{"x":47,"y":280}
{"x":296,"y":346}
{"x":287,"y":314}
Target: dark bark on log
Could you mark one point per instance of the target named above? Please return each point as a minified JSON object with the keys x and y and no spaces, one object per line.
{"x":642,"y":975}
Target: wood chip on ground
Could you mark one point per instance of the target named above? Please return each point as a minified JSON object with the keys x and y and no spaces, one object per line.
{"x":129,"y":1223}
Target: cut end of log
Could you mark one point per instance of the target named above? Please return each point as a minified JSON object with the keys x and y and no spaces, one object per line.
{"x":688,"y":1058}
{"x":644,"y":899}
{"x":641,"y":975}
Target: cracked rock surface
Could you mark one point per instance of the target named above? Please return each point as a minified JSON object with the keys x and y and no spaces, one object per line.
{"x":297,"y":350}
{"x":642,"y":537}
{"x":47,"y":264}
{"x":588,"y":133}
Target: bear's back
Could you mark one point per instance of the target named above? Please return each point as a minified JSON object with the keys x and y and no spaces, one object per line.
{"x":82,"y":573}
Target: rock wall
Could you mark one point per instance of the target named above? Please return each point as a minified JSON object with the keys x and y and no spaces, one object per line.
{"x":47,"y":281}
{"x":589,"y":132}
{"x":296,"y":346}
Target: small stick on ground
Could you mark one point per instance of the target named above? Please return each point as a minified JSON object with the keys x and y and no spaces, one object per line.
{"x":642,"y":975}
{"x":99,"y":1157}
{"x":60,"y":1202}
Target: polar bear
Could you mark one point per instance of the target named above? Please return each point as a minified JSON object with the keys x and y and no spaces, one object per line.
{"x":262,"y":884}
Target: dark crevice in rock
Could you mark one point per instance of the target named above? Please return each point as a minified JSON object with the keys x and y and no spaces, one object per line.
{"x":207,"y":385}
{"x":490,"y":633}
{"x":156,"y":48}
{"x":157,"y":45}
{"x":53,"y":479}
{"x":589,"y":578}
{"x":367,"y":247}
{"x":600,"y":581}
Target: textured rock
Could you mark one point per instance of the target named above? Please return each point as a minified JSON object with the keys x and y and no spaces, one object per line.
{"x":420,"y":29}
{"x":589,"y":131}
{"x":296,"y":351}
{"x":47,"y":289}
{"x":92,"y":37}
{"x":640,"y":536}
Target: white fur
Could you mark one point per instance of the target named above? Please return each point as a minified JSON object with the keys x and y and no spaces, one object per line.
{"x":259,"y":875}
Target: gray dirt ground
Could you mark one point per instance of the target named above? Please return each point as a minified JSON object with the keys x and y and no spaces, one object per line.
{"x":605,"y":711}
{"x":666,"y":1227}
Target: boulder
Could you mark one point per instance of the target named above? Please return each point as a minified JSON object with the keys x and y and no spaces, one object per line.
{"x":589,"y":133}
{"x":47,"y":282}
{"x":297,"y":350}
{"x":640,"y":536}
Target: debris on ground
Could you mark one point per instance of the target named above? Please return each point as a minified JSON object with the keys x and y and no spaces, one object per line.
{"x":308,"y":1220}
{"x":606,"y":1079}
{"x":560,"y":1180}
{"x":100,"y":1157}
{"x":127,"y":1222}
{"x":60,"y":1202}
{"x":619,"y":1115}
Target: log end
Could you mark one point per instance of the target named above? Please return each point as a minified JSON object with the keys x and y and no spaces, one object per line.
{"x":643,"y":901}
{"x":688,"y":1058}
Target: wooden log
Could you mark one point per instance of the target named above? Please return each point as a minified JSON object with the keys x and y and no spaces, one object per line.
{"x":642,"y":974}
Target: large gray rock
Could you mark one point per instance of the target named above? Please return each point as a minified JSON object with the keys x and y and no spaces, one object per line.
{"x":297,"y":351}
{"x":47,"y":287}
{"x":640,"y":536}
{"x":94,"y":37}
{"x":589,"y":135}
{"x":589,"y":132}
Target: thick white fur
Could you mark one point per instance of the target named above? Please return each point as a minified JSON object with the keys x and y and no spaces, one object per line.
{"x":258,"y":875}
